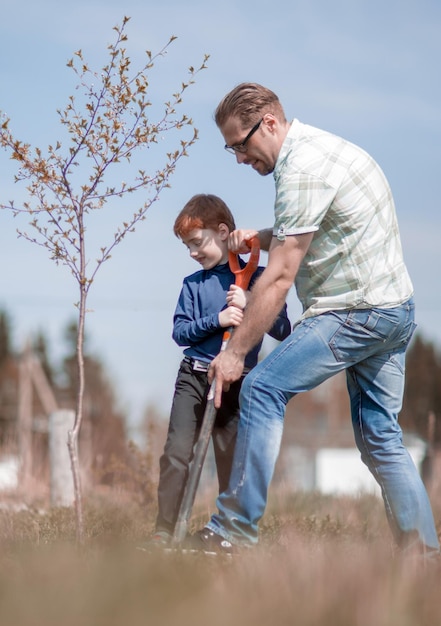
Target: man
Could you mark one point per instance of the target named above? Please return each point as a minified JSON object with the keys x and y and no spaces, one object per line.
{"x":336,"y":236}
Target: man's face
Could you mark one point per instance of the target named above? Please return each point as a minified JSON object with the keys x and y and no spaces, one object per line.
{"x":260,"y":150}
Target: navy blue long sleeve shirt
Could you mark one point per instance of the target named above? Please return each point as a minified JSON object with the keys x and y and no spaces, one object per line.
{"x":196,"y":319}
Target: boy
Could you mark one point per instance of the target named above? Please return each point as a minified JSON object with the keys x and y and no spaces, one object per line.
{"x":208,"y":303}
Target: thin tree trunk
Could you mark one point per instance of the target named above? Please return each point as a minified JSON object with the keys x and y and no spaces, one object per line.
{"x":73,"y":436}
{"x":74,"y":433}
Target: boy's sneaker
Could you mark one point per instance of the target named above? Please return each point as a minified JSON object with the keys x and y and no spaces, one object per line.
{"x":160,"y":539}
{"x":209,"y":542}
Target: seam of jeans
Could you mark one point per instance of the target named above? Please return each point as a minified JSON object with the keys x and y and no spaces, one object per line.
{"x":373,"y":464}
{"x":240,"y":461}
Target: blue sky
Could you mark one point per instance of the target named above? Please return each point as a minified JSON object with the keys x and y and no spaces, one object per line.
{"x":366,"y":70}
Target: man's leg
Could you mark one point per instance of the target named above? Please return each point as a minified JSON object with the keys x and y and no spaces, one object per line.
{"x":300,"y":363}
{"x":376,"y":390}
{"x":317,"y":349}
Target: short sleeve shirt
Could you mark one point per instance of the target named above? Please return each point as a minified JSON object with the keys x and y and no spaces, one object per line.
{"x":331,"y":187}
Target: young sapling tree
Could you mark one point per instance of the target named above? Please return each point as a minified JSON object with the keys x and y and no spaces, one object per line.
{"x":109,"y":123}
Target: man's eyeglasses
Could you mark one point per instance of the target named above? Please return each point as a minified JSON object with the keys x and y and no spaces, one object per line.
{"x":242,"y":146}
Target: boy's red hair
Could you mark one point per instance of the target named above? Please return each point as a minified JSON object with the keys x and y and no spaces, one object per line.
{"x":203,"y":211}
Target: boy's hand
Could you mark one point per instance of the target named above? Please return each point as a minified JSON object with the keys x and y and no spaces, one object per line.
{"x":236,"y":296}
{"x":231,"y":316}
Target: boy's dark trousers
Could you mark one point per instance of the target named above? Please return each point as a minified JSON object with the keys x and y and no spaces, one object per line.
{"x":191,"y":389}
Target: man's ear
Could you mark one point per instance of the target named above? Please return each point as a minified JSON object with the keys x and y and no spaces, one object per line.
{"x":270,"y":122}
{"x":223,"y":231}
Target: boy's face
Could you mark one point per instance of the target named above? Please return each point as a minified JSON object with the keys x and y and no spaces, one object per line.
{"x":207,"y":246}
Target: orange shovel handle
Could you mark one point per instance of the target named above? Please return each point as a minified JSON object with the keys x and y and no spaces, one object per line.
{"x":243,"y":275}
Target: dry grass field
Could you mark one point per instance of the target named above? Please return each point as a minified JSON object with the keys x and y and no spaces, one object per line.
{"x":322,"y":561}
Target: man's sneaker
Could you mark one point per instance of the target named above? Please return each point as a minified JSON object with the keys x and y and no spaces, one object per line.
{"x":209,"y":542}
{"x":161,"y":539}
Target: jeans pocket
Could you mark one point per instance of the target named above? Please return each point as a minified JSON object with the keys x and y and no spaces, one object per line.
{"x":410,"y":330}
{"x":362,"y":333}
{"x":372,"y":322}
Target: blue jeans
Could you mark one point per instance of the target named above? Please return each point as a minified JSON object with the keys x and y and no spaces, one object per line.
{"x":370,"y":345}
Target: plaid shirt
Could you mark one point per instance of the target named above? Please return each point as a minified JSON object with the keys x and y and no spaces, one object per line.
{"x":333,"y":188}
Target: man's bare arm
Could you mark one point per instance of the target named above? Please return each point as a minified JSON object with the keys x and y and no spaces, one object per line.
{"x":267,"y":298}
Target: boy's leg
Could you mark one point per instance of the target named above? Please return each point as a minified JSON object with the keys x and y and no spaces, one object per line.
{"x":186,"y":414}
{"x":225,"y":432}
{"x":376,"y":390}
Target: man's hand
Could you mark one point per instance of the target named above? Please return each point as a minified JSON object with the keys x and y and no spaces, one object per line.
{"x":237,"y":240}
{"x":224,"y":369}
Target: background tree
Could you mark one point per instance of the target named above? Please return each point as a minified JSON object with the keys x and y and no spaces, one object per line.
{"x":5,"y":337}
{"x":8,"y":381}
{"x":422,"y":394}
{"x":105,"y":432}
{"x":107,"y":124}
{"x":40,"y":349}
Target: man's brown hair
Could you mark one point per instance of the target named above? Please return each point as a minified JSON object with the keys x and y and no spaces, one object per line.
{"x":203,"y":211}
{"x":248,"y":102}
